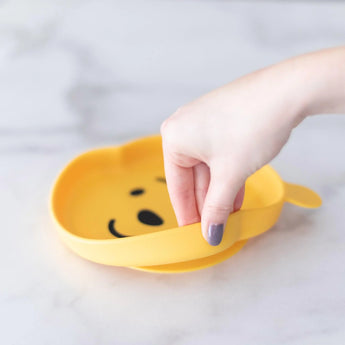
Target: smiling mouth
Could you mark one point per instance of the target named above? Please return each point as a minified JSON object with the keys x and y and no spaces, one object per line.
{"x":146,"y":217}
{"x":111,"y":227}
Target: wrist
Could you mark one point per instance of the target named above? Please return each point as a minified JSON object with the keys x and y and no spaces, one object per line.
{"x":319,"y":81}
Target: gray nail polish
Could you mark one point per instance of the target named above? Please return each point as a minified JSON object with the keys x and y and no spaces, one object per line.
{"x":215,"y":234}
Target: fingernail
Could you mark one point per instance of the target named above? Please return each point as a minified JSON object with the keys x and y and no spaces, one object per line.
{"x":215,"y":234}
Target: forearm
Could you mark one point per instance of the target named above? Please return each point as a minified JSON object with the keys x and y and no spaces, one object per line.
{"x":319,"y":81}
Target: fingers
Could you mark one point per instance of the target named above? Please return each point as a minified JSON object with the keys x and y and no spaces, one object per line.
{"x":196,"y":189}
{"x":225,"y":193}
{"x":180,"y":183}
{"x":201,"y":182}
{"x":239,"y":199}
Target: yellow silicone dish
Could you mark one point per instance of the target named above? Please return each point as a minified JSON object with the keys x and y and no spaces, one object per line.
{"x":112,"y":207}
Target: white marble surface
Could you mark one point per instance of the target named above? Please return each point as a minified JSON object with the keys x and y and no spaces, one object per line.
{"x":79,"y":74}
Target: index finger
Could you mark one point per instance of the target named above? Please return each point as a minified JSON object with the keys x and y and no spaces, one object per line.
{"x":180,"y":183}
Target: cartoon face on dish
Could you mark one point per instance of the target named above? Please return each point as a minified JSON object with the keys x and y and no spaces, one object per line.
{"x":104,"y":205}
{"x":146,"y":209}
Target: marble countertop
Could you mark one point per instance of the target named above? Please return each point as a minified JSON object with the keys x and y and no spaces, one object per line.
{"x":80,"y":74}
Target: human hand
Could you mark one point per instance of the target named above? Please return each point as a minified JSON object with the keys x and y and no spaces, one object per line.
{"x":213,"y":144}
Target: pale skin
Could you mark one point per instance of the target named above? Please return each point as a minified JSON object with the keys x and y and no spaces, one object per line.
{"x":214,"y":143}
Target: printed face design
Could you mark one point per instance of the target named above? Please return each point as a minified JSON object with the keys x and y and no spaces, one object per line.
{"x":116,"y":192}
{"x":141,"y":206}
{"x":146,"y":216}
{"x":105,"y":205}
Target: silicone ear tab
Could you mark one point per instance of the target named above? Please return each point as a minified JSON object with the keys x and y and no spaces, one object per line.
{"x":301,"y":196}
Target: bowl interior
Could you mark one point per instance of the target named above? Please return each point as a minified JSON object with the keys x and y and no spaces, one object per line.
{"x":121,"y":191}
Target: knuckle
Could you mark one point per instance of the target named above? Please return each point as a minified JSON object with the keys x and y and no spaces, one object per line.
{"x":168,"y":129}
{"x":218,"y":210}
{"x":163,"y":126}
{"x":172,"y":121}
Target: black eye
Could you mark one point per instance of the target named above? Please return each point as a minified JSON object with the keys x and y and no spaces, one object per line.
{"x":137,"y":191}
{"x":149,"y":218}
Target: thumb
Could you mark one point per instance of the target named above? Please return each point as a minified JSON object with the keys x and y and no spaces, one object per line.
{"x":225,"y":190}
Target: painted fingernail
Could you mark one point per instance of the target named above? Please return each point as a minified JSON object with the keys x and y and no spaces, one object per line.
{"x":215,"y":234}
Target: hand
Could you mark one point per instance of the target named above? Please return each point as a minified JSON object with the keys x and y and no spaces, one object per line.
{"x":213,"y":144}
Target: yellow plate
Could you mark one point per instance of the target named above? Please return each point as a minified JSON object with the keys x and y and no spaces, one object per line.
{"x":197,"y":264}
{"x":112,"y":207}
